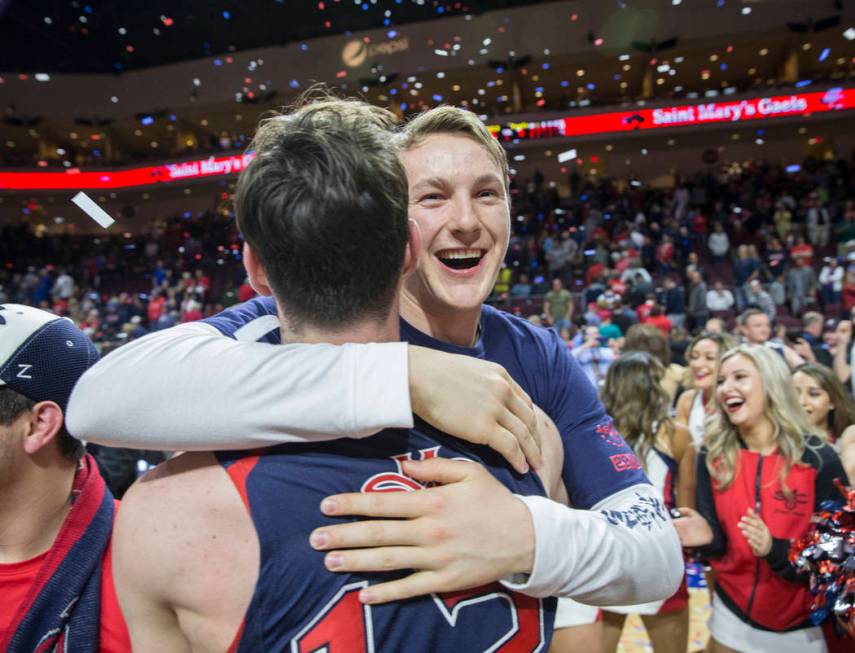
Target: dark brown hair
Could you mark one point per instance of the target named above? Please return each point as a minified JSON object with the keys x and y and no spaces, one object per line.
{"x":324,"y":206}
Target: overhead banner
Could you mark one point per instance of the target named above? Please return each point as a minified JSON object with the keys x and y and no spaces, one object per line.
{"x":76,"y":179}
{"x":734,"y":111}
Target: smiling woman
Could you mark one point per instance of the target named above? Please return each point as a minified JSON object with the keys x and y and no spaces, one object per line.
{"x":761,"y":476}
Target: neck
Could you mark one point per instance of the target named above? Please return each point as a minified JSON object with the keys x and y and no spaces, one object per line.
{"x":759,"y":436}
{"x":459,"y":327}
{"x":33,"y":507}
{"x":386,"y":329}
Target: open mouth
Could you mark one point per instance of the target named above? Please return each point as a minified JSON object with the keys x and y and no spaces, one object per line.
{"x":733,"y":404}
{"x":460,"y":259}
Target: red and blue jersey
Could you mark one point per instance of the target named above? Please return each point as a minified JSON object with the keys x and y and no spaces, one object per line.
{"x":597,"y":461}
{"x":300,"y":606}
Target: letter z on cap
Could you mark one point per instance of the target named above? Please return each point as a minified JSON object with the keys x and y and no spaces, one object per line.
{"x":42,"y":355}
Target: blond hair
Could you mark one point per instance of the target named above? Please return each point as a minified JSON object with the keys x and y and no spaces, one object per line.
{"x":453,"y":120}
{"x":780,"y":405}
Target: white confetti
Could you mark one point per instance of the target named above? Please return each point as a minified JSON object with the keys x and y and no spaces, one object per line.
{"x":88,"y":205}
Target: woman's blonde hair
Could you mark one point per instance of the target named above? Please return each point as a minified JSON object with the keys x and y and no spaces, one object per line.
{"x":781,"y":407}
{"x":634,"y":397}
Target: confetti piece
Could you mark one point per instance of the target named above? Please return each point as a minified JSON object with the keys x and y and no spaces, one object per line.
{"x":88,"y":205}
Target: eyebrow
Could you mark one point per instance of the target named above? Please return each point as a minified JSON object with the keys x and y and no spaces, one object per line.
{"x":440,"y":182}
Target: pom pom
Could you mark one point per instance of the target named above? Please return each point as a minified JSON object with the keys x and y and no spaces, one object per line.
{"x":827,"y":553}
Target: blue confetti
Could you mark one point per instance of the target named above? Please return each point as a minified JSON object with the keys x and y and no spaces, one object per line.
{"x":294,"y":83}
{"x":227,"y":15}
{"x":824,"y":54}
{"x":437,"y":97}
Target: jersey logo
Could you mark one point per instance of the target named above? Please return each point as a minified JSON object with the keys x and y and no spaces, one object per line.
{"x":22,"y":371}
{"x":791,"y":502}
{"x":624,"y":462}
{"x":607,"y":431}
{"x":398,"y":481}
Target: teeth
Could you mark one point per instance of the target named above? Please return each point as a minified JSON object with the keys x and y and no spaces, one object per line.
{"x":453,"y":254}
{"x":734,"y":402}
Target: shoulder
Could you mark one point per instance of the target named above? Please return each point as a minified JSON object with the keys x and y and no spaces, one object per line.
{"x":256,"y":319}
{"x":819,"y":454}
{"x":170,"y":527}
{"x":684,"y":403}
{"x":522,"y":333}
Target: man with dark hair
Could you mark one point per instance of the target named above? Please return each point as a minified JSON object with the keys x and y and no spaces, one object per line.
{"x":212,"y":550}
{"x":55,"y":512}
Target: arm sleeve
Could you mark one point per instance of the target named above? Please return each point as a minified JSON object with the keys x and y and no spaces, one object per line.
{"x":190,"y":388}
{"x":830,"y":468}
{"x":598,"y":463}
{"x":624,"y":551}
{"x":705,"y":505}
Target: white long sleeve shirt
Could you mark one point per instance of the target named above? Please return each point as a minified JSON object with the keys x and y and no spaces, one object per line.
{"x":190,"y":388}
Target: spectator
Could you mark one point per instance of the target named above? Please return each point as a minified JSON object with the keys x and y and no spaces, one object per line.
{"x":719,"y":243}
{"x":778,"y":292}
{"x":674,"y":300}
{"x":849,"y":291}
{"x":831,"y":281}
{"x":558,"y":305}
{"x":522,"y":288}
{"x":801,"y":284}
{"x":594,"y":356}
{"x":697,"y":309}
{"x":757,"y":296}
{"x":623,"y":316}
{"x":812,"y":328}
{"x":756,"y":329}
{"x":802,"y":251}
{"x":719,"y":298}
{"x":818,"y":221}
{"x":609,"y":330}
{"x":658,"y":319}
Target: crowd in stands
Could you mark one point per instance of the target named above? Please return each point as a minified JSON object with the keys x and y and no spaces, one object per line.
{"x":121,"y":286}
{"x":611,"y":254}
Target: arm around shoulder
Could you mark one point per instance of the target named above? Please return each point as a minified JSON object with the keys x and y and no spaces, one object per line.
{"x":176,"y":390}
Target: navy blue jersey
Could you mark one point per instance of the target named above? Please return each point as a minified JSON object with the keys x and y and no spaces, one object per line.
{"x":597,"y":460}
{"x":299,"y":606}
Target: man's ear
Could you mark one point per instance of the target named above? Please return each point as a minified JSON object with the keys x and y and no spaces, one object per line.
{"x":414,"y":245}
{"x":45,"y":422}
{"x":255,"y":271}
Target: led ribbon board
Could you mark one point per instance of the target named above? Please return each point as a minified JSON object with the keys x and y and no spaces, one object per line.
{"x":736,"y":111}
{"x":703,"y":113}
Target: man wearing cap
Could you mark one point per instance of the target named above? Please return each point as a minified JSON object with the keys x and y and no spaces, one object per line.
{"x":56,"y":514}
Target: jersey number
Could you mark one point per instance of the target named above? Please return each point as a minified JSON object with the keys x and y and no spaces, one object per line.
{"x":344,"y":625}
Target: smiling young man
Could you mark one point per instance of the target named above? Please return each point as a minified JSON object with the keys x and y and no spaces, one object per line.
{"x":617,"y":546}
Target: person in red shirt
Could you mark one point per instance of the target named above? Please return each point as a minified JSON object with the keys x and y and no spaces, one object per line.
{"x":156,"y":305}
{"x":658,"y":319}
{"x":56,"y":513}
{"x":802,"y":249}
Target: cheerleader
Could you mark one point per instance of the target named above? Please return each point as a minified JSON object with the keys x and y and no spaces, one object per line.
{"x":761,"y":474}
{"x":633,"y":395}
{"x":695,"y":405}
{"x":829,"y":409}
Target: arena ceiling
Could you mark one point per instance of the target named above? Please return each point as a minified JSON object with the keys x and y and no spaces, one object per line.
{"x":104,"y":36}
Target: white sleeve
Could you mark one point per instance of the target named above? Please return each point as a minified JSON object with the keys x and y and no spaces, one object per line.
{"x":623,"y":551}
{"x":189,"y":388}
